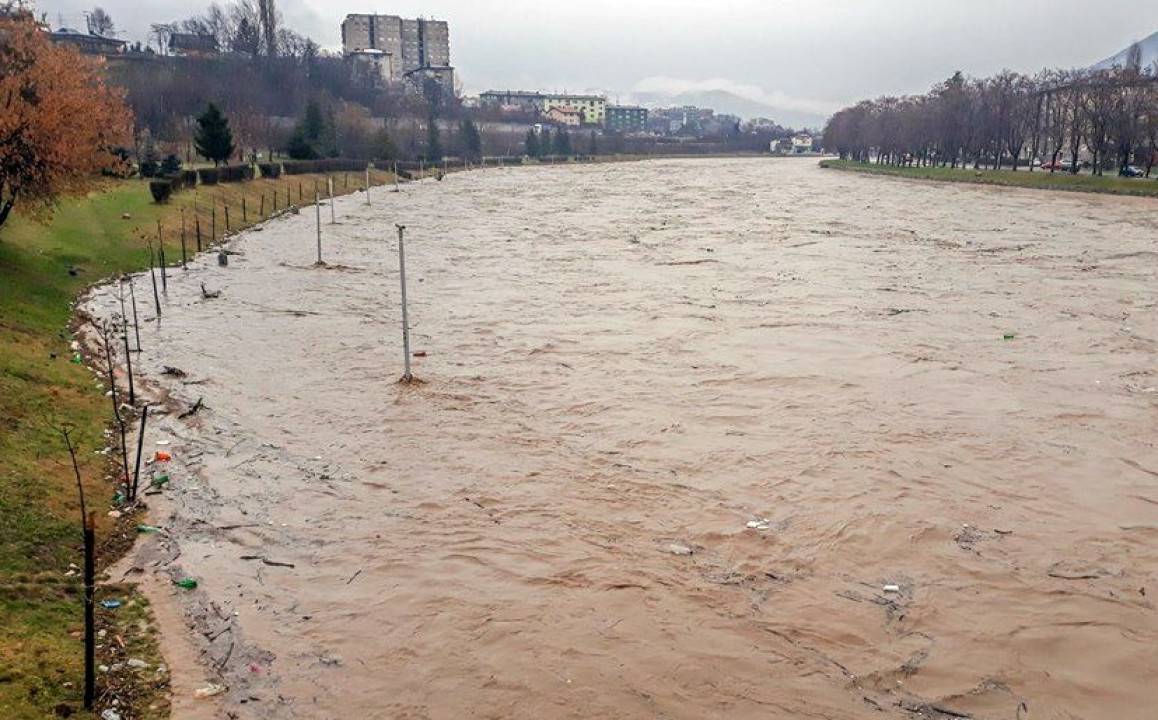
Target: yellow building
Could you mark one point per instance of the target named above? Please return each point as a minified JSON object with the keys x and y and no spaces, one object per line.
{"x":593,"y":107}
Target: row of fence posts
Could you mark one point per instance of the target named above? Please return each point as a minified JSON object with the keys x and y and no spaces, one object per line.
{"x":157,"y":261}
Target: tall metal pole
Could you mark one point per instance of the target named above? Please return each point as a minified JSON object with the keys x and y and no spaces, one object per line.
{"x":333,"y":213}
{"x":318,"y":213}
{"x":406,"y":377}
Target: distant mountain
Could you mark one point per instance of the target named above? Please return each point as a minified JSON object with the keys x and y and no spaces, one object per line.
{"x":727,"y":103}
{"x":1149,"y":55}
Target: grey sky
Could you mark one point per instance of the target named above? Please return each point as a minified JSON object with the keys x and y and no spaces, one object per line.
{"x":812,"y":55}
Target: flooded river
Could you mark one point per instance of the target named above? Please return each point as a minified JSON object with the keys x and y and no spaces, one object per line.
{"x":680,"y":424}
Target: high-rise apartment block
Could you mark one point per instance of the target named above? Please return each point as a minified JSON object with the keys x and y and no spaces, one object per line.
{"x":415,"y":48}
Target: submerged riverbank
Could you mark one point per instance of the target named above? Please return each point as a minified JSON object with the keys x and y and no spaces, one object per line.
{"x":755,"y":438}
{"x":45,"y":384}
{"x":1036,"y":180}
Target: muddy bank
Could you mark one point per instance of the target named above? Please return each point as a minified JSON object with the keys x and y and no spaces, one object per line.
{"x":949,"y":390}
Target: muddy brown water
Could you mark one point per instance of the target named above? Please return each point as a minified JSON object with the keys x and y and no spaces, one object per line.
{"x":624,"y":363}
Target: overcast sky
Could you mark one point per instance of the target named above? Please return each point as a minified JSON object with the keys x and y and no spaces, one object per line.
{"x":810,"y":55}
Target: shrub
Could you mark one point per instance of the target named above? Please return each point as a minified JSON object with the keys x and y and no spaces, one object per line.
{"x":175,"y":181}
{"x":170,"y":166}
{"x":162,"y":190}
{"x":148,"y":168}
{"x":270,"y":170}
{"x":207,"y":176}
{"x":188,"y":178}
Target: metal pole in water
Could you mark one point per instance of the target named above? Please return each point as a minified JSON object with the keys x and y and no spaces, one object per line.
{"x":318,"y":213}
{"x":406,"y":377}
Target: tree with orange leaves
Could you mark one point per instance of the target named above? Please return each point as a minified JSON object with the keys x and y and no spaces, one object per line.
{"x":59,"y":122}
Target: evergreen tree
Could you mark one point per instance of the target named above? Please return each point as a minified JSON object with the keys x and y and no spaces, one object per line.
{"x":314,"y":136}
{"x":593,"y":148}
{"x":386,"y":149}
{"x":214,"y":139}
{"x":433,"y":141}
{"x":563,"y":142}
{"x":545,"y":143}
{"x":531,"y":144}
{"x":471,"y":140}
{"x":299,"y":148}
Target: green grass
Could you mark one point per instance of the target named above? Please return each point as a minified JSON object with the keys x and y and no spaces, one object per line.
{"x":40,"y":609}
{"x":1110,"y":184}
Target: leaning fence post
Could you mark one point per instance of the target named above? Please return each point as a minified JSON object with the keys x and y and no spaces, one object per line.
{"x":406,"y":377}
{"x":136,"y":323}
{"x":244,"y":212}
{"x":128,"y":361}
{"x":153,"y":275}
{"x":140,"y":447}
{"x":161,"y":250}
{"x":227,"y":217}
{"x":261,"y":210}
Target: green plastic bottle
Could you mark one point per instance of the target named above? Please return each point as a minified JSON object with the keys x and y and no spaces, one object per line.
{"x":187,"y":583}
{"x":148,"y":529}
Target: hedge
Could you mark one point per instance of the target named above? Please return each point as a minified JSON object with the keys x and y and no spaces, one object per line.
{"x":270,"y":170}
{"x":234,"y":173}
{"x":189,"y":178}
{"x":327,"y":165}
{"x":207,"y":176}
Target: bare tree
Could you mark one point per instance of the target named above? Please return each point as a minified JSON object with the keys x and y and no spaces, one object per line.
{"x":100,"y":23}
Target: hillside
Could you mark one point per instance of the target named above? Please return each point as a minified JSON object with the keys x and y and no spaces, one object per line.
{"x":728,"y":103}
{"x":1149,"y":54}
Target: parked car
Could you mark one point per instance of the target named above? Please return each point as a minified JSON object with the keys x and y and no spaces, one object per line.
{"x":1131,"y":171}
{"x":1049,"y":165}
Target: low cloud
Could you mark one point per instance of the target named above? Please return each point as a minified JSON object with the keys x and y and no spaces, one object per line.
{"x":664,"y":85}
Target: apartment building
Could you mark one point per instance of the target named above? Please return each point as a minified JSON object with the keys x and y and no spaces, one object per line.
{"x":416,"y":47}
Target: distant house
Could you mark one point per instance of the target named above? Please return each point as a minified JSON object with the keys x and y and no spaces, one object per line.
{"x":565,"y":116}
{"x":626,"y":119}
{"x":87,"y":42}
{"x":802,"y":143}
{"x":592,"y":108}
{"x":512,"y":100}
{"x":192,"y":45}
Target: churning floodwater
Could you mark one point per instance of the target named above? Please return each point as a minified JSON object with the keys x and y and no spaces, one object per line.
{"x":681,"y":423}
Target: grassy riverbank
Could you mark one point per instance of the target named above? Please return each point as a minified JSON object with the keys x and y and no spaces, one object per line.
{"x":1110,"y":184}
{"x":43,"y":268}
